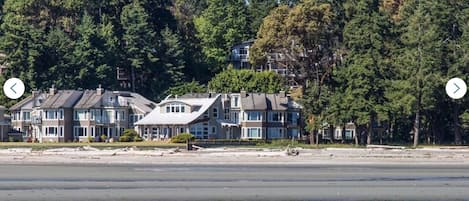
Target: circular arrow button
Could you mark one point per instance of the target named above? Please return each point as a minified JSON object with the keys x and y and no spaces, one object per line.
{"x":13,"y":88}
{"x":456,"y":88}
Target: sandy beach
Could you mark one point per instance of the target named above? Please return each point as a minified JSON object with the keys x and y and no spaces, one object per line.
{"x":131,"y":155}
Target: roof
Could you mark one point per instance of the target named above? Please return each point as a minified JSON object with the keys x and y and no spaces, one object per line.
{"x":262,"y":101}
{"x":158,"y":118}
{"x":20,"y":104}
{"x":91,"y":99}
{"x":62,"y":99}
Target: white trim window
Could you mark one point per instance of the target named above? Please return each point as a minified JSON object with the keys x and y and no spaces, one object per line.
{"x":50,"y":114}
{"x":80,"y":115}
{"x":61,"y":131}
{"x":92,"y":130}
{"x":235,"y":101}
{"x":252,"y":133}
{"x":26,"y":116}
{"x":175,"y":108}
{"x":92,"y":114}
{"x":253,"y":116}
{"x":50,"y":131}
{"x":79,"y":131}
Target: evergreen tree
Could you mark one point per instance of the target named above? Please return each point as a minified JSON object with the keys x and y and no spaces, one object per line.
{"x":140,"y":48}
{"x":220,"y":26}
{"x":173,"y":59}
{"x":258,"y":10}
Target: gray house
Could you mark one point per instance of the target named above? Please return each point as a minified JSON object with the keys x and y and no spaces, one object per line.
{"x":75,"y":115}
{"x":239,"y":56}
{"x":100,"y":112}
{"x":224,"y":116}
{"x":54,"y":118}
{"x":22,"y":113}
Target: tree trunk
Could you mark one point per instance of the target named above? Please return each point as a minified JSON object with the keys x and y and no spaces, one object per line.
{"x":416,"y":128}
{"x":312,"y":137}
{"x":456,"y":126}
{"x":370,"y":130}
{"x":356,"y":135}
{"x":133,"y":78}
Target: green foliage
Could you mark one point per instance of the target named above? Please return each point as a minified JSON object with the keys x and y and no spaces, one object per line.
{"x":103,"y":137}
{"x":249,"y":80}
{"x":189,"y":87}
{"x":130,"y":135}
{"x":182,"y":138}
{"x":221,"y":25}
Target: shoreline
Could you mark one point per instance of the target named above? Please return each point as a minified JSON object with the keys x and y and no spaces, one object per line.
{"x":233,"y":156}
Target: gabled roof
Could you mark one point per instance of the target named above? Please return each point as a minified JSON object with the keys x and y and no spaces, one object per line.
{"x":20,"y":104}
{"x":156,"y":117}
{"x":254,"y":101}
{"x":88,"y":100}
{"x":62,"y":99}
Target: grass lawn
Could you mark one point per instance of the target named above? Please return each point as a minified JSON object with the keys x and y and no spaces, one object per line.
{"x":99,"y":145}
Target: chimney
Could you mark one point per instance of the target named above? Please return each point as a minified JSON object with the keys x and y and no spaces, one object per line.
{"x":283,"y":94}
{"x":52,"y":90}
{"x":243,"y":94}
{"x":35,"y":92}
{"x":99,"y":91}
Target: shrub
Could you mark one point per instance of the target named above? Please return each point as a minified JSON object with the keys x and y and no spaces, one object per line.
{"x":90,"y":139}
{"x":182,"y":138}
{"x":138,"y":138}
{"x":103,"y":138}
{"x":130,"y":136}
{"x":124,"y":138}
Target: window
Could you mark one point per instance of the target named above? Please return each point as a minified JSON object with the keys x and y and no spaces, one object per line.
{"x":243,"y":53}
{"x":61,"y":114}
{"x":80,"y":115}
{"x":253,"y":133}
{"x":92,"y":131}
{"x":235,"y":101}
{"x":175,"y":108}
{"x":92,"y":115}
{"x":206,"y":114}
{"x":274,"y":133}
{"x":227,"y":113}
{"x":215,"y":112}
{"x":79,"y":131}
{"x":253,"y":116}
{"x":275,"y":116}
{"x":293,"y":117}
{"x":61,"y":131}
{"x":200,"y":131}
{"x":26,"y":116}
{"x":50,"y":131}
{"x":214,"y":130}
{"x":235,"y":117}
{"x":50,"y":114}
{"x":181,"y":130}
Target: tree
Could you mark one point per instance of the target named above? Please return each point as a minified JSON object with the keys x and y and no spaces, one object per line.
{"x":258,"y":10}
{"x":140,"y":46}
{"x":173,"y":59}
{"x":363,"y":74}
{"x":188,"y":87}
{"x":231,"y":80}
{"x":421,"y":62}
{"x":221,"y":25}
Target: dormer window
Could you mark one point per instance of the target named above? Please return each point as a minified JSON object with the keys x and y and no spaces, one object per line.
{"x":175,"y":108}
